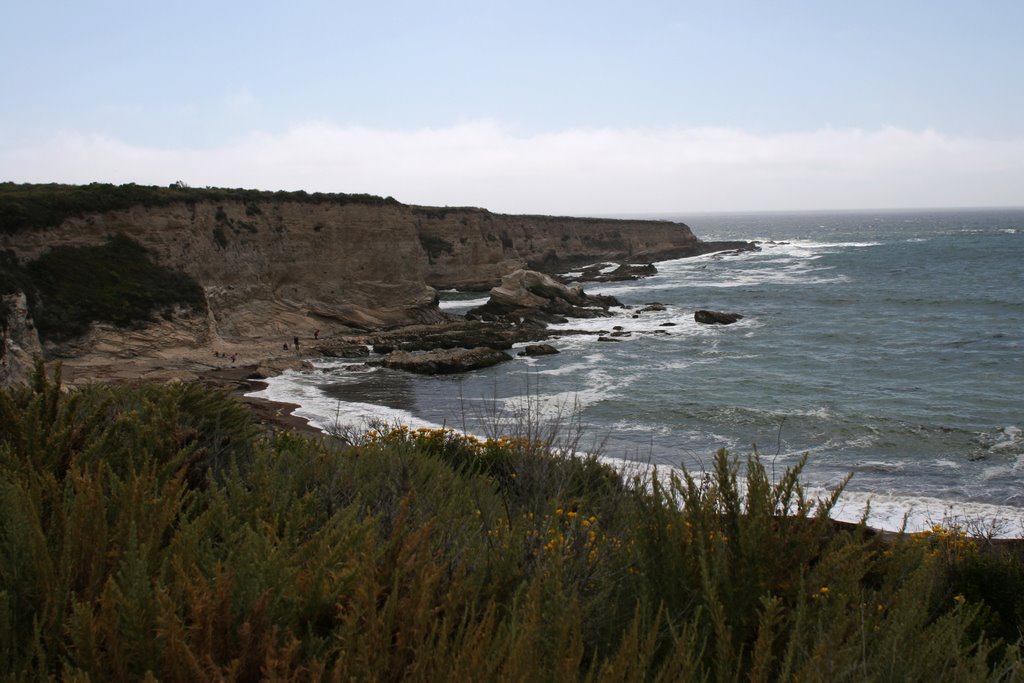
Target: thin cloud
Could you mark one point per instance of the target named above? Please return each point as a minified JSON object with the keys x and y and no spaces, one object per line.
{"x":576,"y":171}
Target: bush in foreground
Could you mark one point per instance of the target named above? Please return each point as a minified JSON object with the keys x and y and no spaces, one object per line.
{"x":153,"y":531}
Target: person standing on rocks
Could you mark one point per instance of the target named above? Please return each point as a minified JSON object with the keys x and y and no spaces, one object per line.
{"x":295,"y":343}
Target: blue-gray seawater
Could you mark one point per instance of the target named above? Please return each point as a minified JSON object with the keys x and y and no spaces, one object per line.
{"x":889,"y":345}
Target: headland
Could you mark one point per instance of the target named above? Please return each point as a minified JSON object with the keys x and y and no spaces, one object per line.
{"x":133,"y":283}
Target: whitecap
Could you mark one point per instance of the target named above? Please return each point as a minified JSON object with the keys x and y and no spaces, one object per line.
{"x":461,"y":305}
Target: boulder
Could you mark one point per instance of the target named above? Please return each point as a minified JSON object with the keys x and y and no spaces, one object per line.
{"x":538,"y":350}
{"x":716,"y":317}
{"x":527,"y":295}
{"x":444,"y":361}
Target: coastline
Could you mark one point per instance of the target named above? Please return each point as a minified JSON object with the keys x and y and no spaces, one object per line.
{"x":987,"y":446}
{"x":921,"y":515}
{"x":275,"y":415}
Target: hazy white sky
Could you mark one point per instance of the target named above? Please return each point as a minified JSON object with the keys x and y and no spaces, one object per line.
{"x":529,"y":107}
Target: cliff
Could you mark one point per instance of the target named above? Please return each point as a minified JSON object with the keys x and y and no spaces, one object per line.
{"x":274,"y":264}
{"x":474,"y":248}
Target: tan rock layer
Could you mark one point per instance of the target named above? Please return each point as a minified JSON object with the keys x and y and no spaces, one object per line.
{"x":368,"y":266}
{"x":272,"y":270}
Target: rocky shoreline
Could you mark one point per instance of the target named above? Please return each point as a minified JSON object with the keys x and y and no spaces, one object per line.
{"x":518,"y":311}
{"x":130,"y":283}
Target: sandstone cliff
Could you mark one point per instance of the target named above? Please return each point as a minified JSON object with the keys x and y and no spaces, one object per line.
{"x":271,"y":265}
{"x":19,"y":342}
{"x":356,"y":264}
{"x":473,"y":248}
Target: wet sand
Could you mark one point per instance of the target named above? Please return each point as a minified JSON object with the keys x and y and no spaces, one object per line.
{"x":276,"y":415}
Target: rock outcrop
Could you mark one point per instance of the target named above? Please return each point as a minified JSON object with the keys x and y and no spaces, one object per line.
{"x":526,"y":295}
{"x":465,"y":334}
{"x":19,"y":341}
{"x":444,"y":361}
{"x":362,"y":265}
{"x":609,"y":272}
{"x":716,"y":317}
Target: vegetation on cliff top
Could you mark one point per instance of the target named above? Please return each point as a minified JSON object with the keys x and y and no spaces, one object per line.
{"x":153,"y":530}
{"x":69,"y":288}
{"x":27,"y":206}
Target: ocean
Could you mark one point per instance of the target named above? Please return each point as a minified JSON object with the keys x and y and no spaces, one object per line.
{"x":884,"y":344}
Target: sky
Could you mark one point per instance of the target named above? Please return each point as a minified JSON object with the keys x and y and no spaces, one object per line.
{"x":571,"y":108}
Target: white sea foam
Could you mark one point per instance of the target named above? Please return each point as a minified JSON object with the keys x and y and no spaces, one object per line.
{"x":461,"y":305}
{"x":888,"y":512}
{"x":650,"y":325}
{"x":552,"y":407}
{"x":1008,"y":438}
{"x":322,"y":411}
{"x":792,"y":268}
{"x":883,"y":511}
{"x":567,"y":369}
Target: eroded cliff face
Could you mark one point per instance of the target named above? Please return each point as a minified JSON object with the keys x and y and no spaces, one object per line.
{"x":473,"y":248}
{"x":19,"y":341}
{"x":271,"y":267}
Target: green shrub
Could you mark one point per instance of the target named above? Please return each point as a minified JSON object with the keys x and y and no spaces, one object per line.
{"x":220,"y":237}
{"x":115,"y":283}
{"x":434,"y":246}
{"x":28,"y":206}
{"x":154,"y":531}
{"x":13,"y":278}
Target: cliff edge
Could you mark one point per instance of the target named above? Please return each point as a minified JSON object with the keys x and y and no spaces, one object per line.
{"x":276,"y":265}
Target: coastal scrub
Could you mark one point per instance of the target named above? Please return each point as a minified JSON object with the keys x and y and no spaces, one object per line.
{"x":69,"y":288}
{"x":154,"y":531}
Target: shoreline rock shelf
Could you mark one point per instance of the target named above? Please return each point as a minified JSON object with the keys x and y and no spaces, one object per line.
{"x":443,"y":361}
